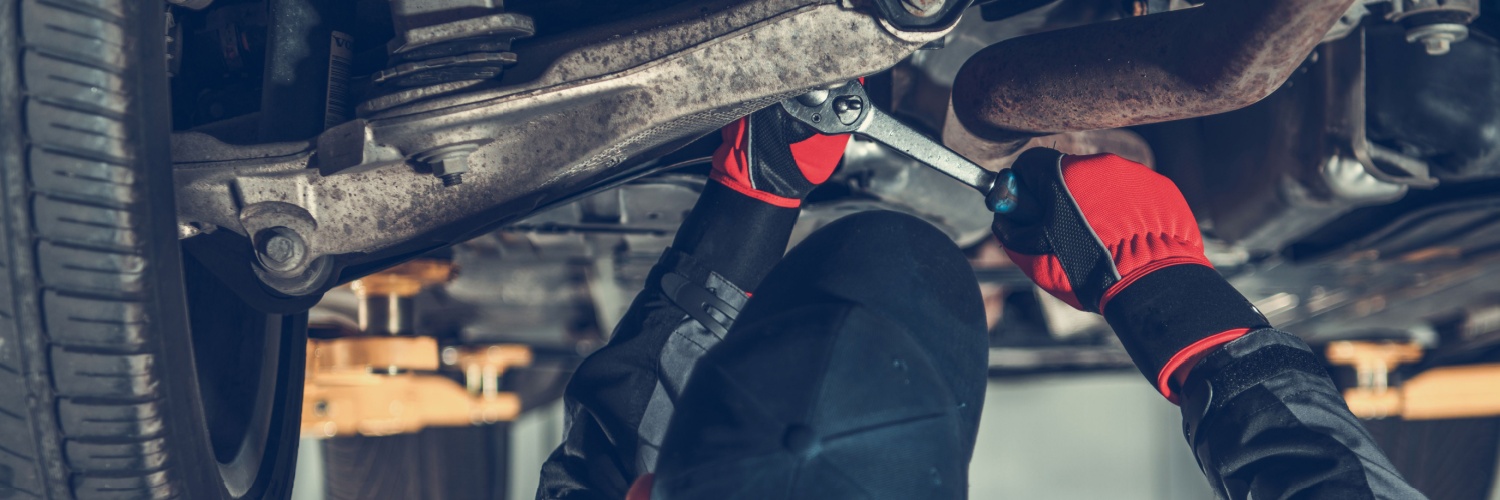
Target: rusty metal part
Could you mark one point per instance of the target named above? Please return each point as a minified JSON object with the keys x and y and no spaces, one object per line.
{"x":1439,"y":393}
{"x":1211,"y":59}
{"x":995,"y":156}
{"x":584,"y":118}
{"x":367,"y":386}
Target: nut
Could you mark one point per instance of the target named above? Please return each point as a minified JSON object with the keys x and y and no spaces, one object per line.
{"x":449,"y":163}
{"x":1438,"y":39}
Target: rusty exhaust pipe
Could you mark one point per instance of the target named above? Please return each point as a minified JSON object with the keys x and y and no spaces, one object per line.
{"x":1222,"y":56}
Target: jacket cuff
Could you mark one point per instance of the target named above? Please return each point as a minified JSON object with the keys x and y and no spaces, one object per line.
{"x":1163,"y":315}
{"x":1238,"y":366}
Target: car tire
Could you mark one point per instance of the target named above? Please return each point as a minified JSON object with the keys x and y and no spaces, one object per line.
{"x":109,"y":388}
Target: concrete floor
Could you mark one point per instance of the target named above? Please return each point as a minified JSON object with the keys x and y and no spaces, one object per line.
{"x":1082,"y":437}
{"x":1062,"y":437}
{"x":1059,"y":437}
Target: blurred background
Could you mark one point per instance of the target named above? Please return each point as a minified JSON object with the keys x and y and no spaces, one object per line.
{"x":1376,"y":243}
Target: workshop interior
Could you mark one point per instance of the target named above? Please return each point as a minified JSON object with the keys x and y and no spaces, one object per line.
{"x":354,"y":249}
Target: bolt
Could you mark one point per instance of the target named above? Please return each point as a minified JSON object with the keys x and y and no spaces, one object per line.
{"x":281,"y":249}
{"x":451,"y":167}
{"x":449,"y":163}
{"x":1437,"y":44}
{"x":848,"y":108}
{"x":1438,"y":39}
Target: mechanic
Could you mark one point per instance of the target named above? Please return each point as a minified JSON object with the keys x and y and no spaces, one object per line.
{"x":858,"y":368}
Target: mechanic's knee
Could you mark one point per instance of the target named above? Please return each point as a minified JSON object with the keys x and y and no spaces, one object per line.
{"x":875,"y":230}
{"x":888,"y":261}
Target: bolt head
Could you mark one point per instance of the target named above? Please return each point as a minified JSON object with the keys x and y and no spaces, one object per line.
{"x":280,"y":249}
{"x":451,"y":165}
{"x":448,"y":163}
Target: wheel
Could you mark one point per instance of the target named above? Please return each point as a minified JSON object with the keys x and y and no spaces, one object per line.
{"x":109,"y":388}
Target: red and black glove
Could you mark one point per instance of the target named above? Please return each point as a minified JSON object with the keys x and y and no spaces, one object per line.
{"x":1110,"y":235}
{"x":771,"y":157}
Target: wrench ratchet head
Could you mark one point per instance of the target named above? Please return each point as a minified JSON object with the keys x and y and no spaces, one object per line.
{"x":838,"y":110}
{"x":846,"y":109}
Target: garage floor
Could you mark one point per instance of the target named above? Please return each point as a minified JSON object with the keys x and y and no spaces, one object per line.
{"x":1057,"y":437}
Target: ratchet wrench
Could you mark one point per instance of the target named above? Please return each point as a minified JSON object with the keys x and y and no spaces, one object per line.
{"x":846,"y":109}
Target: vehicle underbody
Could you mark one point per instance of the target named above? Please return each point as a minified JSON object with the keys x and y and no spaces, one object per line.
{"x":1346,"y":191}
{"x":1343,"y":156}
{"x":1351,"y":202}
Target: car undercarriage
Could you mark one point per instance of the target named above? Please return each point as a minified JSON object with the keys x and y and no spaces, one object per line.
{"x":447,"y":204}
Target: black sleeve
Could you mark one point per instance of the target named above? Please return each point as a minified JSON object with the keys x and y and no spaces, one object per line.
{"x":1266,"y":422}
{"x":620,"y":399}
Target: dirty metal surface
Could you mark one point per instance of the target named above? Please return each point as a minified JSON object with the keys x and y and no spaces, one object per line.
{"x":532,"y":146}
{"x":1182,"y":64}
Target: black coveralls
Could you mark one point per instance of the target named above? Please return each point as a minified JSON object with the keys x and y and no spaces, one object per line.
{"x":1261,"y":414}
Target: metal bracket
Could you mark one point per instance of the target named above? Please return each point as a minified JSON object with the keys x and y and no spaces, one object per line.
{"x":1343,"y":63}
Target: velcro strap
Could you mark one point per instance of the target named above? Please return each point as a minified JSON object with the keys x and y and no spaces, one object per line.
{"x":703,"y":295}
{"x":709,"y":310}
{"x":1240,"y":365}
{"x":1168,"y":310}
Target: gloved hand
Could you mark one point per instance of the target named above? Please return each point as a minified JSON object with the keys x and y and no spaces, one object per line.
{"x":773,"y":158}
{"x":1110,"y":235}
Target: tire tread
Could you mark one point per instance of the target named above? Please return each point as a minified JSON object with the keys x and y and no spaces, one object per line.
{"x":92,"y":398}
